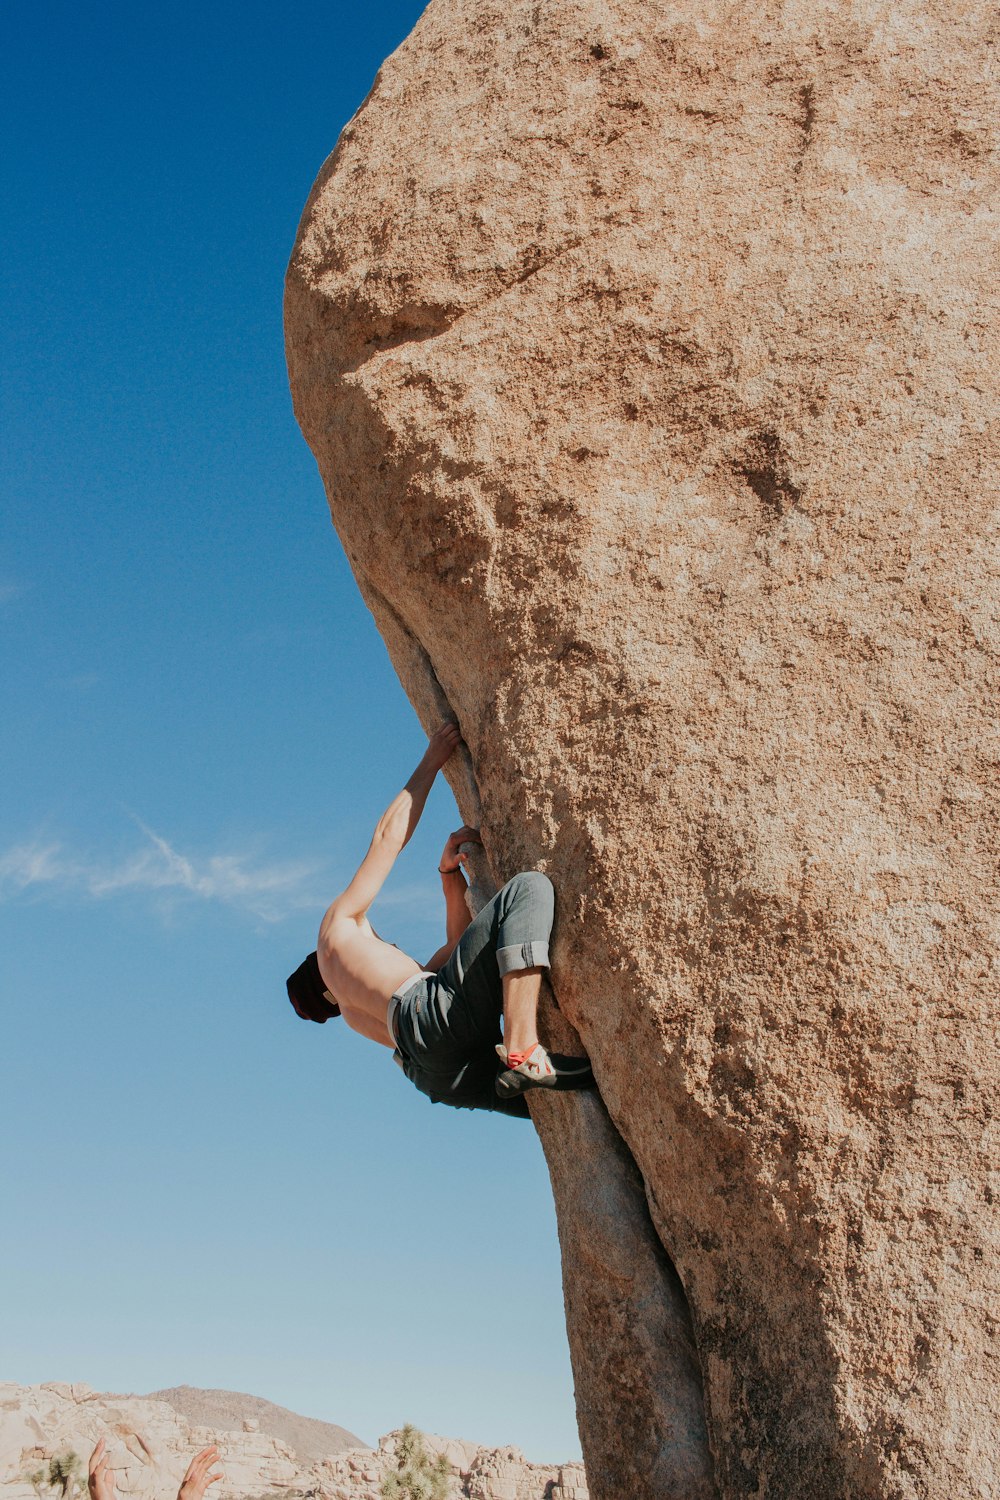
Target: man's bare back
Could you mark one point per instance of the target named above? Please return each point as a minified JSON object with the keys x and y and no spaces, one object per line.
{"x":361,"y":971}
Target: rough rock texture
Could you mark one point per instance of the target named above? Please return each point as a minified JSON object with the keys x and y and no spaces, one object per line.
{"x":150,"y":1443}
{"x":638,"y":1382}
{"x":637,"y":1379}
{"x":649,"y":355}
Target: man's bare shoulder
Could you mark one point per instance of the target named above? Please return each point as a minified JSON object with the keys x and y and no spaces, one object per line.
{"x":360,"y":967}
{"x":342,"y":932}
{"x":339,"y":924}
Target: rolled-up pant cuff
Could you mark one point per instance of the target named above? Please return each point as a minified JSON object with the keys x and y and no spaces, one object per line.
{"x":522,"y":956}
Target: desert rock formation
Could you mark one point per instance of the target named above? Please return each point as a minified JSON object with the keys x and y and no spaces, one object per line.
{"x":231,"y":1411}
{"x":151,"y":1443}
{"x":649,"y":355}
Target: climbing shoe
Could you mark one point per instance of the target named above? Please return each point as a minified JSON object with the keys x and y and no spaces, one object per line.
{"x":541,"y":1069}
{"x":535,"y":1071}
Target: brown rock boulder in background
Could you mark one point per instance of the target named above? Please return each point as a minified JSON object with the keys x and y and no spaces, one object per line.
{"x":649,"y":355}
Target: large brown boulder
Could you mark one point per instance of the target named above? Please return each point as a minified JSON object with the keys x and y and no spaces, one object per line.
{"x":649,"y":355}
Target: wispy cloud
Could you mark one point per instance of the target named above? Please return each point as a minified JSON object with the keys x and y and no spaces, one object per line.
{"x":267,"y":891}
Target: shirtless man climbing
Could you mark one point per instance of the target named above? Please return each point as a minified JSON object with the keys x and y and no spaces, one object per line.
{"x":442,"y":1020}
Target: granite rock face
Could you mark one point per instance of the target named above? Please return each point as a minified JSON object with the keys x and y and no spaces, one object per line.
{"x":649,"y":354}
{"x":151,"y":1442}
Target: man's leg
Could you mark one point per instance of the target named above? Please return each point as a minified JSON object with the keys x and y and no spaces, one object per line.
{"x":522,"y":958}
{"x":500,"y":958}
{"x":498,"y":965}
{"x":521,"y":989}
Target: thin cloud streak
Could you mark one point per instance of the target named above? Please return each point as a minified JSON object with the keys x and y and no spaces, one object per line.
{"x":269,"y":892}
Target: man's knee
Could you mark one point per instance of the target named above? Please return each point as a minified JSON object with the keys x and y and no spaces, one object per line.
{"x":527,"y":904}
{"x":533,"y":883}
{"x":533,"y":890}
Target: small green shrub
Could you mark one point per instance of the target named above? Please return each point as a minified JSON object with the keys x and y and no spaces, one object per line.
{"x":417,"y":1476}
{"x":63,"y":1477}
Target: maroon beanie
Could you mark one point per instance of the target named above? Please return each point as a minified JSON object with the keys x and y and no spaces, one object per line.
{"x":307,"y":992}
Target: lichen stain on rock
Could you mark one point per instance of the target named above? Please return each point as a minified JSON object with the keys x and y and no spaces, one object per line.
{"x":649,"y":355}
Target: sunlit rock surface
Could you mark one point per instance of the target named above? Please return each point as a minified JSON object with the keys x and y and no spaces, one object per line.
{"x":649,"y":355}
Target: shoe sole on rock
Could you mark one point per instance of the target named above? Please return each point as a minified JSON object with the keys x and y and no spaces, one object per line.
{"x":571,"y":1067}
{"x":509,"y":1083}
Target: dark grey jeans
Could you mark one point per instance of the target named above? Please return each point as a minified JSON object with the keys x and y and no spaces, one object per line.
{"x":449,"y":1023}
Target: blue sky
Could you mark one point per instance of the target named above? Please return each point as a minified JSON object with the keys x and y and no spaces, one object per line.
{"x":200,"y":727}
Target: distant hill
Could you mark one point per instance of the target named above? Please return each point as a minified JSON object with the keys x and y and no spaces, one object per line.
{"x":309,"y":1439}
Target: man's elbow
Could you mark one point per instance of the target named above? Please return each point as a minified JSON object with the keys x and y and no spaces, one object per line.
{"x":390,"y":833}
{"x":440,"y":958}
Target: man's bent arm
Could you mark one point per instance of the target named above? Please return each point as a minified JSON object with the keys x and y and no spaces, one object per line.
{"x":457,"y":916}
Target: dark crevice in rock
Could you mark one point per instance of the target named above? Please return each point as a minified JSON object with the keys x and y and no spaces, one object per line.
{"x":763,"y":465}
{"x":416,"y":670}
{"x":807,"y":106}
{"x":416,"y":323}
{"x":411,"y":326}
{"x":806,"y":101}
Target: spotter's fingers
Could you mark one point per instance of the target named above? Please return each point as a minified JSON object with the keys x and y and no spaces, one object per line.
{"x":204,"y":1459}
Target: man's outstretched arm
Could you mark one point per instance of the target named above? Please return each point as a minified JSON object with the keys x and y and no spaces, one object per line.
{"x":395,"y":827}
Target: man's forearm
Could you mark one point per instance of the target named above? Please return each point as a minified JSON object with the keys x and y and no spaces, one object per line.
{"x":457,"y":916}
{"x":417,"y":788}
{"x":403,"y":813}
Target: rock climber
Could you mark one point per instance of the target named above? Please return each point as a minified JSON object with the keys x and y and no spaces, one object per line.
{"x":442,"y":1019}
